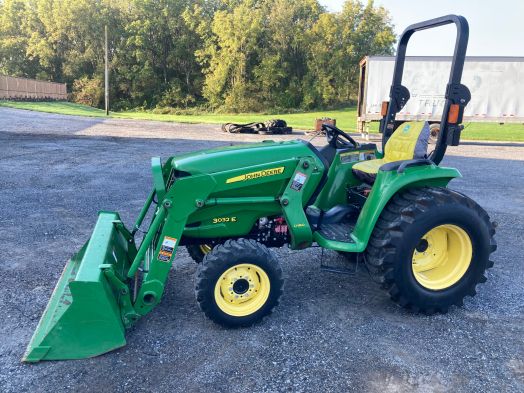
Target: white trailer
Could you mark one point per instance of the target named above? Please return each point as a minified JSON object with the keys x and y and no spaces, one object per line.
{"x":496,"y":85}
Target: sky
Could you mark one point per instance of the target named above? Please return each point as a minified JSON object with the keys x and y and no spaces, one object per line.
{"x":496,"y":28}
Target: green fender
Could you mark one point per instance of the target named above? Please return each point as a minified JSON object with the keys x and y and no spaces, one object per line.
{"x":387,"y":184}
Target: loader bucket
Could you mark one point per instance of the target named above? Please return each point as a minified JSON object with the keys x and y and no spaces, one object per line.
{"x":83,"y":317}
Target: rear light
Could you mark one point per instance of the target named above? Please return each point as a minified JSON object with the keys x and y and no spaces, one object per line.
{"x":384,"y":110}
{"x":453,"y":113}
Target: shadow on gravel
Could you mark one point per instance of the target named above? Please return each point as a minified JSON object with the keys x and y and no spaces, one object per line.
{"x":330,"y":333}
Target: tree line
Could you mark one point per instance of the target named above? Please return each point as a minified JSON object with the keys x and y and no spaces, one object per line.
{"x":230,"y":55}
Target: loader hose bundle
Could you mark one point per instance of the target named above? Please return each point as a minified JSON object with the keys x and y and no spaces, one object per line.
{"x":273,"y":126}
{"x":248,"y":128}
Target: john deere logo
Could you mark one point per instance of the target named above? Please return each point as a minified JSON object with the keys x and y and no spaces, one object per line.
{"x":256,"y":175}
{"x":406,"y":129}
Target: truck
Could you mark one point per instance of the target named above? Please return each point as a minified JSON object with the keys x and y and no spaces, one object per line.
{"x":496,"y":85}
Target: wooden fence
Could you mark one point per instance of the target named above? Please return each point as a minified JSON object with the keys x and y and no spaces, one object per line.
{"x":30,"y":89}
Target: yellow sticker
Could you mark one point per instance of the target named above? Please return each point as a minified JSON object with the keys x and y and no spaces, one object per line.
{"x":167,"y":249}
{"x":256,"y":175}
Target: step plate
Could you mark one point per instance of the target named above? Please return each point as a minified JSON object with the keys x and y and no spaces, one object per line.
{"x":339,"y":232}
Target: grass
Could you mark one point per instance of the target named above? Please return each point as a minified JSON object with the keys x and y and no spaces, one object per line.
{"x":346,"y":119}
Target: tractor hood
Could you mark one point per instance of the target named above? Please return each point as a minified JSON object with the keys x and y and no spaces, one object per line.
{"x":234,"y":157}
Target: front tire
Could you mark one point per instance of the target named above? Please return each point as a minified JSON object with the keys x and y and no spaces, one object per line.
{"x":197,"y":252}
{"x":238,"y":283}
{"x":430,"y":248}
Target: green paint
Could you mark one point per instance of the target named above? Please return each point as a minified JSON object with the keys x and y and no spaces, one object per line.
{"x":387,"y":184}
{"x":83,"y":316}
{"x":294,"y":199}
{"x":340,"y":177}
{"x":213,"y":193}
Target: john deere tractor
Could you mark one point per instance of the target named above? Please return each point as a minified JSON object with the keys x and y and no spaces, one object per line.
{"x":428,"y":245}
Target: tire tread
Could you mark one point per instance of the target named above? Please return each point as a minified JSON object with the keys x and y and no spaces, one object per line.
{"x":213,"y":265}
{"x":395,"y":218}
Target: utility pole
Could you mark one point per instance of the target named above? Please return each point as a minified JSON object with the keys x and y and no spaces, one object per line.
{"x":106,"y":74}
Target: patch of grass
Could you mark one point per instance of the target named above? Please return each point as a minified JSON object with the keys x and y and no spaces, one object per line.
{"x":59,"y":107}
{"x":494,"y":132}
{"x":346,"y":119}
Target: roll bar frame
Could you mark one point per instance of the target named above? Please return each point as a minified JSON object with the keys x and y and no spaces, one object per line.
{"x":456,"y":93}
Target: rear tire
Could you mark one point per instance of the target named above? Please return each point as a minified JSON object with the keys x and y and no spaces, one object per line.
{"x":239,"y":283}
{"x":442,"y":228}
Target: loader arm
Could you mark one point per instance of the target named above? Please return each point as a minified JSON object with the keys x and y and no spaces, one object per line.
{"x":93,"y":302}
{"x":111,"y":283}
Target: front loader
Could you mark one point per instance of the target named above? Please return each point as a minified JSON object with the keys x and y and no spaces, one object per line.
{"x":429,"y":246}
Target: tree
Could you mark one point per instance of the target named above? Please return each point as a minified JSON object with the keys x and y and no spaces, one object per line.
{"x":234,"y":55}
{"x":230,"y":55}
{"x":156,"y":61}
{"x":281,"y":54}
{"x":285,"y":51}
{"x":340,"y":41}
{"x":14,"y":41}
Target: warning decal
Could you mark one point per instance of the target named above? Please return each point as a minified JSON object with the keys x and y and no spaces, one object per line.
{"x":167,"y":249}
{"x":298,"y":181}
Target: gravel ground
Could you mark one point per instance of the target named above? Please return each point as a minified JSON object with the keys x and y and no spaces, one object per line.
{"x":330,"y":333}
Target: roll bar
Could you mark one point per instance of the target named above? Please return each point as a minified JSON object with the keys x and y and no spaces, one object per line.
{"x":457,"y":95}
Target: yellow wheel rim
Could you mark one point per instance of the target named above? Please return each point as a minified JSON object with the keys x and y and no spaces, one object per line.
{"x":242,"y":290}
{"x":205,"y":248}
{"x":442,"y":257}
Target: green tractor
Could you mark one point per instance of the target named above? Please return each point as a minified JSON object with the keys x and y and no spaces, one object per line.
{"x":428,"y":246}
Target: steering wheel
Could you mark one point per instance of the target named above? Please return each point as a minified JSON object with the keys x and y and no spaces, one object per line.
{"x":333,"y":135}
